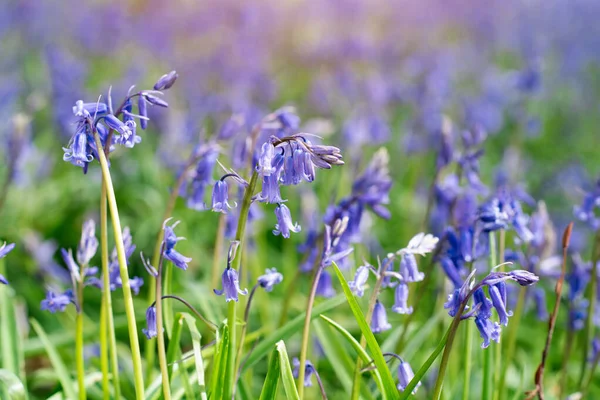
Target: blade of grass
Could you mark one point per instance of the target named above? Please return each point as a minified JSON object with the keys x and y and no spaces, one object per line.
{"x":220,"y":362}
{"x":15,"y":389}
{"x":288,"y":330}
{"x":172,"y":350}
{"x":271,"y":383}
{"x":56,"y":360}
{"x":196,"y":337}
{"x":287,"y":378}
{"x":390,"y":391}
{"x":357,"y":347}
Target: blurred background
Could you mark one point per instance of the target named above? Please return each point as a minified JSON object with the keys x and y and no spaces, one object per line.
{"x":361,"y":74}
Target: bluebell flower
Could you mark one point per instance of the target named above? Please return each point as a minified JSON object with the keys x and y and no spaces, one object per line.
{"x":498,"y":295}
{"x":170,"y":240}
{"x":5,"y":249}
{"x":360,"y":279}
{"x":452,"y":272}
{"x":372,"y":187}
{"x":78,"y":153}
{"x":220,"y":197}
{"x":57,"y":302}
{"x":88,"y":245}
{"x":522,"y":277}
{"x":72,"y":266}
{"x":231,"y":285}
{"x":488,"y":330}
{"x":284,"y":222}
{"x":493,"y":216}
{"x":265,"y":166}
{"x":150,"y":331}
{"x":3,"y":279}
{"x":309,"y":370}
{"x":117,"y":125}
{"x":81,"y":109}
{"x":143,"y":111}
{"x":586,"y":211}
{"x":405,"y":375}
{"x":484,"y":304}
{"x":539,"y":297}
{"x":270,"y":279}
{"x":379,"y":322}
{"x":409,"y":269}
{"x":166,"y":81}
{"x":459,"y":295}
{"x":154,"y":100}
{"x":325,"y":285}
{"x":401,"y":298}
{"x":201,"y":176}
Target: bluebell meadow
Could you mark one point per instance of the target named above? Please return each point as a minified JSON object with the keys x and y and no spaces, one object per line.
{"x":333,"y":199}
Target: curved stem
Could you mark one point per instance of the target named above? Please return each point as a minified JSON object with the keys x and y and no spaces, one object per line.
{"x":160,"y":339}
{"x":231,"y":306}
{"x":128,"y":298}
{"x":306,"y":331}
{"x":107,"y":295}
{"x":79,"y":343}
{"x":211,"y":325}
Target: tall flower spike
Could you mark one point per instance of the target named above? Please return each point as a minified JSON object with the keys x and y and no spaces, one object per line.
{"x":401,"y":299}
{"x":88,"y":245}
{"x":231,"y":285}
{"x":150,"y":331}
{"x":169,"y":252}
{"x":270,"y":279}
{"x":405,"y":375}
{"x":379,"y":322}
{"x":284,"y":222}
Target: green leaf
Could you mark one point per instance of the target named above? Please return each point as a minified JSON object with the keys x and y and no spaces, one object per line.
{"x":173,"y":348}
{"x":357,"y":347}
{"x":191,"y":323}
{"x":287,"y":378}
{"x":289,"y":329}
{"x":390,"y":390}
{"x":13,"y":385}
{"x":57,"y":363}
{"x":269,"y":390}
{"x":339,"y":357}
{"x":220,"y":362}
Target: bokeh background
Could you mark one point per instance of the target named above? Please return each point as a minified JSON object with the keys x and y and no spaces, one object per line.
{"x":362,"y":74}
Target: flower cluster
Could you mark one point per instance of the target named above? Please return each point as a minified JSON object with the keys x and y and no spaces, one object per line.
{"x":100,"y":120}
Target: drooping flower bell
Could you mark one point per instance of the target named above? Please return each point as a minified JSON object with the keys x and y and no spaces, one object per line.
{"x":150,"y":331}
{"x":379,"y":322}
{"x":220,"y":197}
{"x":284,"y":222}
{"x":405,"y":375}
{"x":169,"y":252}
{"x":231,"y":285}
{"x":270,"y":279}
{"x":498,"y":295}
{"x":309,"y":369}
{"x":488,"y":330}
{"x":88,"y":245}
{"x":57,"y":302}
{"x":166,"y":81}
{"x":360,"y":279}
{"x":401,"y":298}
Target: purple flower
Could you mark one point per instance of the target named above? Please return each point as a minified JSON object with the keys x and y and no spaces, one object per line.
{"x":459,"y":295}
{"x":88,"y":245}
{"x":270,"y":279}
{"x":498,"y":295}
{"x":169,"y":252}
{"x":284,"y":222}
{"x":5,"y":249}
{"x":3,"y":279}
{"x":220,"y":197}
{"x":166,"y":81}
{"x":522,"y":277}
{"x":231,"y":285}
{"x":493,"y":215}
{"x":488,"y":330}
{"x":405,"y":375}
{"x":202,"y":176}
{"x":325,"y":285}
{"x":116,"y":124}
{"x":143,"y":111}
{"x":409,"y":269}
{"x":309,"y":370}
{"x":265,"y":166}
{"x":360,"y":279}
{"x":484,"y":304}
{"x":77,"y":152}
{"x":586,"y":211}
{"x":56,"y":302}
{"x":81,"y":109}
{"x":154,"y":100}
{"x":401,"y":298}
{"x":150,"y":331}
{"x":379,"y":322}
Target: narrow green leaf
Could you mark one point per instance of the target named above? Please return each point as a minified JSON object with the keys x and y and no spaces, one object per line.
{"x":287,"y":378}
{"x":269,"y":390}
{"x":13,"y":385}
{"x":390,"y":390}
{"x":357,"y":347}
{"x":57,"y":363}
{"x":191,"y":323}
{"x":220,"y":362}
{"x":289,"y":329}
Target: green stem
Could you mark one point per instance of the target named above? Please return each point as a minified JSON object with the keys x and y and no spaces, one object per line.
{"x":104,"y":368}
{"x":565,"y":363}
{"x":468,"y":361}
{"x":218,"y":249}
{"x":8,"y":360}
{"x":79,"y":343}
{"x":589,"y":322}
{"x":107,"y":295}
{"x":488,"y":356}
{"x":231,"y":306}
{"x":160,"y":339}
{"x":306,"y":331}
{"x":511,"y":339}
{"x":124,"y":273}
{"x":498,"y":366}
